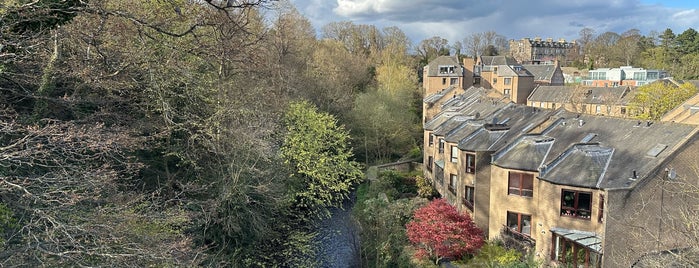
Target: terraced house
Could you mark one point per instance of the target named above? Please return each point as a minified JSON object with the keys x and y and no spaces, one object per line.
{"x":572,"y":188}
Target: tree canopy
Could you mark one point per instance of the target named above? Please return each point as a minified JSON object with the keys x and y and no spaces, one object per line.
{"x":439,"y":231}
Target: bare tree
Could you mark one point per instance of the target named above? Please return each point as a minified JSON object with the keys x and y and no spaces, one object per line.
{"x":477,"y":43}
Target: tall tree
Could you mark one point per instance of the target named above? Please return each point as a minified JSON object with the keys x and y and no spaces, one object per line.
{"x":431,"y":48}
{"x":628,"y":46}
{"x":317,"y":152}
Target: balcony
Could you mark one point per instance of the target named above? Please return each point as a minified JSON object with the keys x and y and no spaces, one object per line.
{"x":516,"y":240}
{"x":467,"y":203}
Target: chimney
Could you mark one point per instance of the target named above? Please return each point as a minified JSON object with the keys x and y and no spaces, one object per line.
{"x":537,"y":39}
{"x":549,"y":39}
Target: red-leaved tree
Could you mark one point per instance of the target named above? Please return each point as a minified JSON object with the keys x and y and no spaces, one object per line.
{"x":439,"y":231}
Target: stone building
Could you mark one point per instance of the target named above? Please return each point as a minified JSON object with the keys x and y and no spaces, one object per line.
{"x":536,"y":51}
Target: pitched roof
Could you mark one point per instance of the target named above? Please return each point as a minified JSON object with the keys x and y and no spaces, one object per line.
{"x":595,"y":152}
{"x":589,"y":95}
{"x":541,"y":72}
{"x":497,"y":60}
{"x":433,"y":66}
{"x":506,"y":70}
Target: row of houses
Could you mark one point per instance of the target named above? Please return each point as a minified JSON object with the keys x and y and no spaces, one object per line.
{"x":563,"y":172}
{"x":542,"y":85}
{"x":575,"y":189}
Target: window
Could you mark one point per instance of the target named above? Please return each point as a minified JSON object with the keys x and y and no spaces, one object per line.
{"x":469,"y":192}
{"x":521,"y":184}
{"x":441,"y":146}
{"x":520,"y":223}
{"x":598,"y":109}
{"x":495,"y":80}
{"x":573,"y":254}
{"x":446,"y":69}
{"x":444,"y":81}
{"x":553,"y":106}
{"x":506,"y":92}
{"x":600,"y":217}
{"x":470,"y":163}
{"x":476,"y":80}
{"x":430,"y":160}
{"x":454,"y":81}
{"x":576,"y":204}
{"x":431,"y":140}
{"x":623,"y":110}
{"x":454,"y":154}
{"x":584,"y":108}
{"x":542,"y":105}
{"x":452,"y":183}
{"x":507,"y":81}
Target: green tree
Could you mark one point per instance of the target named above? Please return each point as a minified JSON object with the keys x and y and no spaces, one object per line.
{"x":317,"y":152}
{"x":652,"y":101}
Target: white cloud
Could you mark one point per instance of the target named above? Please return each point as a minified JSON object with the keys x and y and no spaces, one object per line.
{"x":456,"y":19}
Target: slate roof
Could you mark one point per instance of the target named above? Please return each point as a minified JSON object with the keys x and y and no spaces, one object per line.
{"x":433,"y":66}
{"x":541,"y":72}
{"x":504,"y":126}
{"x":498,"y":60}
{"x":435,"y":97}
{"x":589,"y":95}
{"x":595,"y":152}
{"x":506,"y":70}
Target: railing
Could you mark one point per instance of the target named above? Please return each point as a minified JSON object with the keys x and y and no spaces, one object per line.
{"x":439,"y":174}
{"x":523,"y":239}
{"x":467,"y":203}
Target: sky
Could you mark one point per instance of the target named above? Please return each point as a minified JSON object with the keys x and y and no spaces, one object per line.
{"x":515,"y":19}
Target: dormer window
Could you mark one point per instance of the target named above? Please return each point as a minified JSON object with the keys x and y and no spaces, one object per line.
{"x":446,"y":69}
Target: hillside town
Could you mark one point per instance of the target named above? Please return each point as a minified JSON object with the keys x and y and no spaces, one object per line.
{"x":562,"y":164}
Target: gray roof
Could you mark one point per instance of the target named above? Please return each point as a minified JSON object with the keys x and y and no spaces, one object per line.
{"x":433,"y":66}
{"x":595,"y":152}
{"x":435,"y":97}
{"x":506,"y":70}
{"x":504,"y":126}
{"x":528,"y":152}
{"x":474,"y":103}
{"x":498,"y":60}
{"x":541,"y":72}
{"x":589,"y":95}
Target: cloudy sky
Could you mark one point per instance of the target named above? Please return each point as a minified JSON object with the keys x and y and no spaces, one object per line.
{"x":515,"y":19}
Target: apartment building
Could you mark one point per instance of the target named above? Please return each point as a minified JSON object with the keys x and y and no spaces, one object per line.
{"x":537,"y":51}
{"x":575,"y":189}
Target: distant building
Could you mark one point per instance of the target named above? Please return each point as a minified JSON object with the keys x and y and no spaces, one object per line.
{"x":536,"y":51}
{"x":622,"y":76}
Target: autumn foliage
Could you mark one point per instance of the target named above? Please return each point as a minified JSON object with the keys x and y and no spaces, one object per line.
{"x":439,"y":231}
